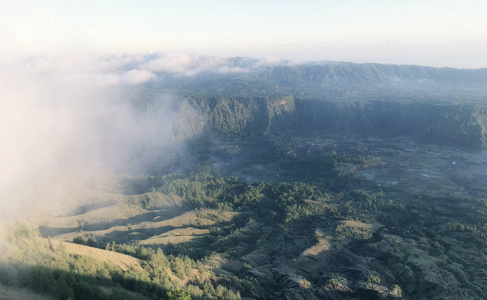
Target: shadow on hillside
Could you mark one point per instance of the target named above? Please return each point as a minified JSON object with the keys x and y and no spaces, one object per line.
{"x":64,"y":284}
{"x":85,"y":227}
{"x":87,"y":208}
{"x":136,"y":234}
{"x":199,"y":245}
{"x":186,"y":242}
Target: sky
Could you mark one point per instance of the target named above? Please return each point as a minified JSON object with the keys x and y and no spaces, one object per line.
{"x":433,"y":33}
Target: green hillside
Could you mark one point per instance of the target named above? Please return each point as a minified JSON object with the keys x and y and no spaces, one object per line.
{"x":315,"y":181}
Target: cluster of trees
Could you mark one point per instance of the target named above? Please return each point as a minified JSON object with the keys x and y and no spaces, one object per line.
{"x":271,"y":202}
{"x":278,"y":202}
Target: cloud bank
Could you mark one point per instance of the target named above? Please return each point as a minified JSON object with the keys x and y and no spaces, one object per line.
{"x":62,"y":113}
{"x":64,"y":117}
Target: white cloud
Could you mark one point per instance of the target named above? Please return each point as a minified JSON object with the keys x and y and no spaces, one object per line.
{"x":270,"y":61}
{"x":190,"y":64}
{"x":136,"y":76}
{"x":174,"y":63}
{"x":120,"y":61}
{"x":227,"y":69}
{"x":61,"y":114}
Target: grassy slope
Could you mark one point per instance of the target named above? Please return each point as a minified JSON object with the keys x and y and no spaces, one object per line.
{"x":124,"y":262}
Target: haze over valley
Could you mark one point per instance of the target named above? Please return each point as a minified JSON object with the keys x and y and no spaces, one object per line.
{"x":237,"y":150}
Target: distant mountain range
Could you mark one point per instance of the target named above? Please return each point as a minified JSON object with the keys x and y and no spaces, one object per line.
{"x":336,"y":81}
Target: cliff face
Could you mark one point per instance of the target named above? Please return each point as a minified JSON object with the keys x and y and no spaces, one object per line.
{"x":463,"y":126}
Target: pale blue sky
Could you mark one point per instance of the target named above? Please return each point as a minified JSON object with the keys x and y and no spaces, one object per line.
{"x":436,"y":33}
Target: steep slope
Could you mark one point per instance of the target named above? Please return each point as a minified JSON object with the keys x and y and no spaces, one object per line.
{"x":457,"y":125}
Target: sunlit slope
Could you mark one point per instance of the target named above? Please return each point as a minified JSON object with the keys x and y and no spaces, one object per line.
{"x":152,"y":219}
{"x":183,"y":227}
{"x":124,"y":262}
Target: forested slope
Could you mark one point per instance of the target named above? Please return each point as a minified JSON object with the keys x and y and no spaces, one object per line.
{"x":458,"y":125}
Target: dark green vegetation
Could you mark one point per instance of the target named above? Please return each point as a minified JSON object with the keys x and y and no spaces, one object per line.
{"x":455,"y":125}
{"x":217,"y":237}
{"x":274,"y":192}
{"x":461,"y":125}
